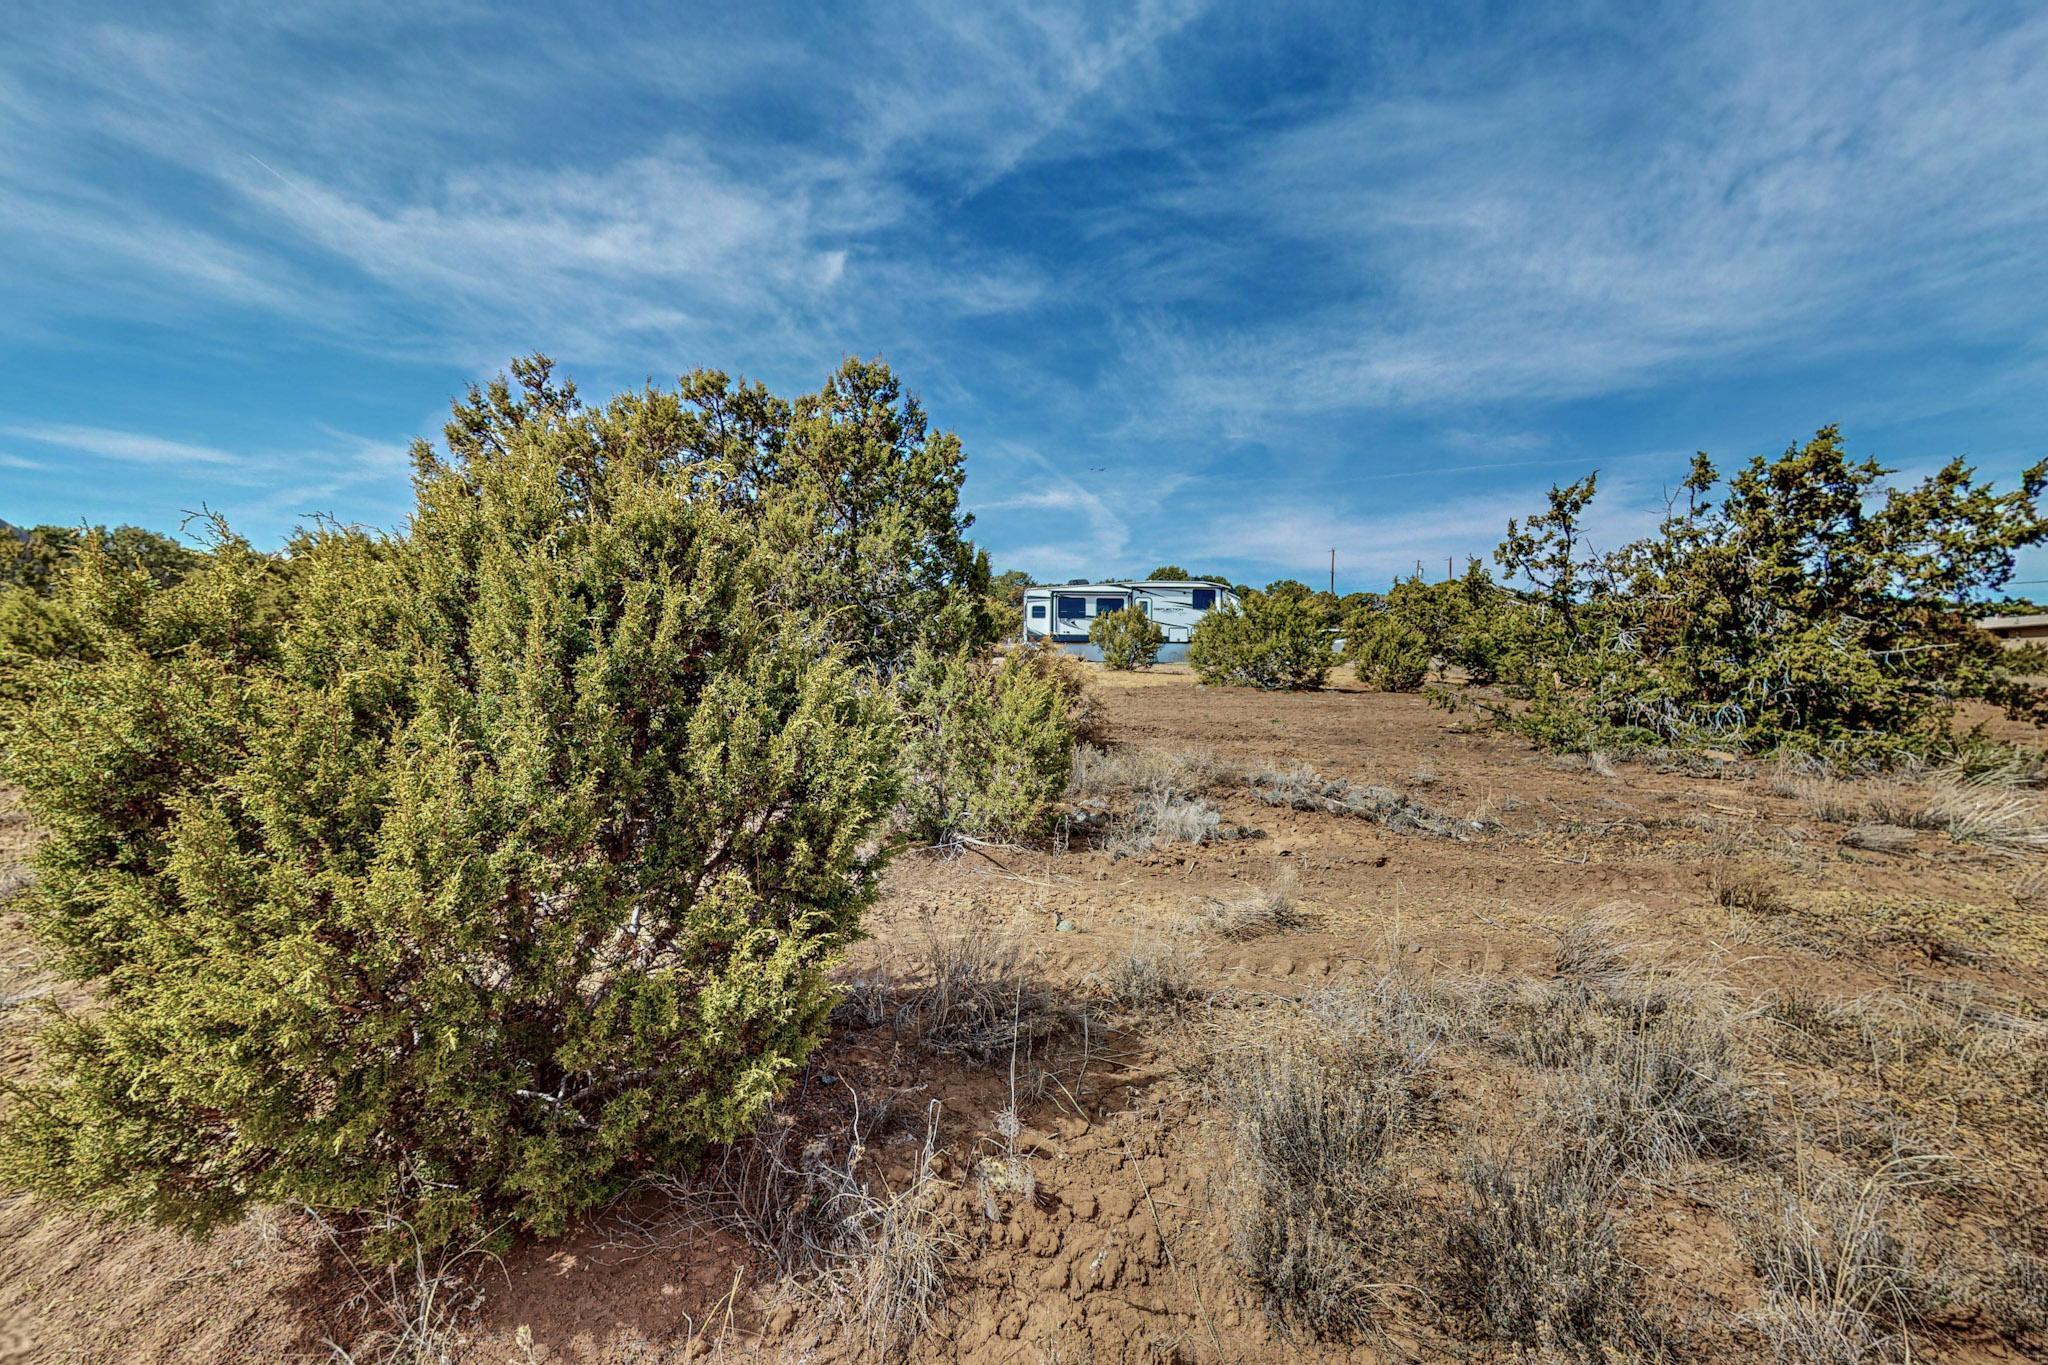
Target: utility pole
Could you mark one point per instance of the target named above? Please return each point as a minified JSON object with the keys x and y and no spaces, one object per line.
{"x":1333,"y":571}
{"x":1447,"y":568}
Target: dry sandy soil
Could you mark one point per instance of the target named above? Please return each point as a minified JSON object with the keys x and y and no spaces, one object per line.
{"x":1631,"y":1060}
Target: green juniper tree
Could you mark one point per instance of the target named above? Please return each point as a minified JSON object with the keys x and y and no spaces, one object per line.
{"x":460,"y":876}
{"x":1388,"y":653}
{"x":988,"y":743}
{"x":35,"y":623}
{"x":1814,"y":604}
{"x":856,"y":494}
{"x":1272,"y":640}
{"x":1128,"y":639}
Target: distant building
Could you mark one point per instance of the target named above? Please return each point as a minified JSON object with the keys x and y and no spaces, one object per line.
{"x":2018,"y":630}
{"x":1063,"y":612}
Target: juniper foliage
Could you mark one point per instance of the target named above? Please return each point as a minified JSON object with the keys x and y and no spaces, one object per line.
{"x":1128,"y":639}
{"x":1809,"y":602}
{"x":1272,"y":640}
{"x":465,"y":873}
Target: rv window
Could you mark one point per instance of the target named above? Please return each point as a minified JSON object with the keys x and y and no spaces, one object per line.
{"x":1073,"y":606}
{"x":1205,"y":598}
{"x":1105,"y":605}
{"x":1038,"y":611}
{"x":1145,"y":605}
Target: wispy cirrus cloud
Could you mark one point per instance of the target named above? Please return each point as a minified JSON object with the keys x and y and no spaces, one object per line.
{"x":1498,"y":230}
{"x":126,"y":446}
{"x":1195,"y":280}
{"x":671,"y":241}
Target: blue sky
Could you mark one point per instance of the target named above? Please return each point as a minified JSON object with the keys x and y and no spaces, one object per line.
{"x":1222,"y":285}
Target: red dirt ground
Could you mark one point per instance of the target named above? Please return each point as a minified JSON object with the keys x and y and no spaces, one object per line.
{"x":1123,"y":1253}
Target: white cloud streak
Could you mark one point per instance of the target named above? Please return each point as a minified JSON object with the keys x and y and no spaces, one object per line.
{"x":126,"y":446}
{"x":1784,"y":176}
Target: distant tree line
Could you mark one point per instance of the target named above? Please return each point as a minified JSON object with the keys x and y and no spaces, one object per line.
{"x":1803,"y":601}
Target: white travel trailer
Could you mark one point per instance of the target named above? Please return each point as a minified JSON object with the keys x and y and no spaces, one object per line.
{"x":1064,"y":611}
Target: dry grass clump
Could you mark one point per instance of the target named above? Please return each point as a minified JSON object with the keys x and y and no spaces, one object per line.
{"x":1400,"y":1015}
{"x":1840,"y":1282}
{"x":1157,"y":819}
{"x":1877,"y":1135}
{"x":1102,"y":773}
{"x":1531,"y":1256}
{"x":1143,"y":798}
{"x":1647,"y":1056}
{"x":1317,"y":1214}
{"x":1157,"y":973}
{"x":2017,"y":1297}
{"x":1750,"y":889}
{"x":981,"y":996}
{"x":1268,"y":910}
{"x":1302,"y":788}
{"x":1587,"y":952}
{"x":1977,"y":810}
{"x":419,"y":1310}
{"x":1990,"y":1033}
{"x":1879,"y":838}
{"x":839,"y":1235}
{"x":1649,"y":1091}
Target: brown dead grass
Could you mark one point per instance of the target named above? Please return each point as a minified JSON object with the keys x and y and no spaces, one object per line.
{"x":1983,"y":811}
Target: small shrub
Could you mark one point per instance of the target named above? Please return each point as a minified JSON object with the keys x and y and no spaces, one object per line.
{"x":1531,"y":1254}
{"x":989,"y":746}
{"x":1128,"y":639}
{"x":1388,"y":654}
{"x":981,"y":996}
{"x":1315,"y":1211}
{"x":1272,"y":641}
{"x":1158,"y":973}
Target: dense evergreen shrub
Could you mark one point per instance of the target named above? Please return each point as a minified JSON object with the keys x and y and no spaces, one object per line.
{"x":37,"y":621}
{"x":1811,"y":604}
{"x":989,"y":743}
{"x":1128,"y":639}
{"x":1274,"y":640}
{"x":464,"y":875}
{"x":853,"y":491}
{"x":1388,"y":653}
